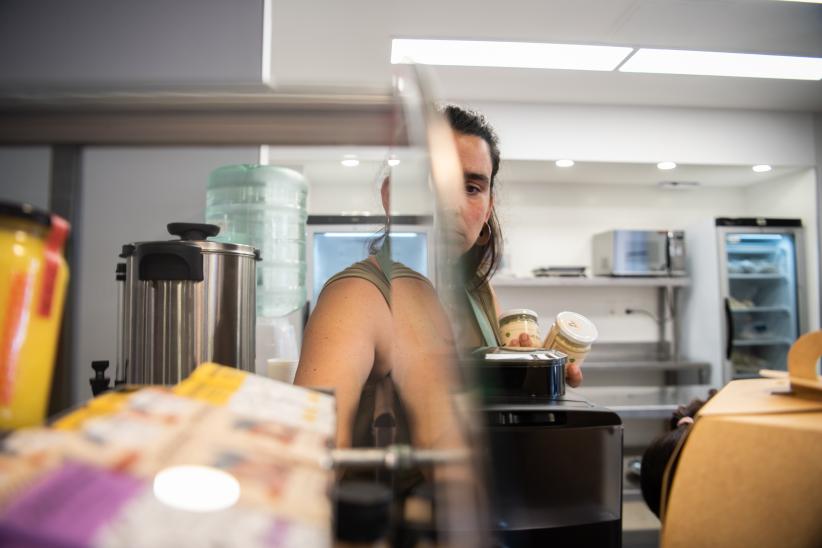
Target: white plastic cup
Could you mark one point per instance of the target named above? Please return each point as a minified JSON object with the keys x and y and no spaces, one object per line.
{"x":281,"y":370}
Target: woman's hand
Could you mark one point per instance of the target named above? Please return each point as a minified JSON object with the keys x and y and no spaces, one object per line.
{"x":573,"y":375}
{"x":524,"y":340}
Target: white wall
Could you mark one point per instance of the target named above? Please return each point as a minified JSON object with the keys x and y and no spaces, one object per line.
{"x":552,"y":225}
{"x":25,"y":175}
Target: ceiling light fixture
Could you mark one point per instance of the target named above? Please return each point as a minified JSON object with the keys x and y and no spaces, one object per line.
{"x":762,"y":168}
{"x":665,"y":166}
{"x":350,"y":160}
{"x":477,"y":53}
{"x":564,"y":163}
{"x":393,"y":161}
{"x":717,"y":63}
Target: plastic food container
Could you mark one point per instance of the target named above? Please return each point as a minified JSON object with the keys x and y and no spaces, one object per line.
{"x":33,"y":278}
{"x":572,"y":334}
{"x":517,"y":321}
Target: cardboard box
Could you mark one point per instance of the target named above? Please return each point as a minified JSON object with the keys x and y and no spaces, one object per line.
{"x":750,"y":471}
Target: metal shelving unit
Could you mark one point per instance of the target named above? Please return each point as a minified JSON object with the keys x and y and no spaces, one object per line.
{"x":643,"y":402}
{"x":596,"y":281}
{"x":635,"y":402}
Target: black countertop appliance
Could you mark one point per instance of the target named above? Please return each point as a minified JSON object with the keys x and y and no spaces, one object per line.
{"x":555,"y":459}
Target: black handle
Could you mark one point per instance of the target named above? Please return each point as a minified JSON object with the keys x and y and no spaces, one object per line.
{"x":193,"y":231}
{"x":729,"y":319}
{"x":169,"y":261}
{"x":99,"y":382}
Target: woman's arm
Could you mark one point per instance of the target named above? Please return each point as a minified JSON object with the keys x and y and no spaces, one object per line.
{"x":424,"y":364}
{"x":344,"y":339}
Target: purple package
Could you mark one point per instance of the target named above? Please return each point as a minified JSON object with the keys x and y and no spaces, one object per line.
{"x":66,"y":507}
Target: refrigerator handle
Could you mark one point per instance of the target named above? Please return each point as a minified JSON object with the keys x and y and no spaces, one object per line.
{"x":729,"y":322}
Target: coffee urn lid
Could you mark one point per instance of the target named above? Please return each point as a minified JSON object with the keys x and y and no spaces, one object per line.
{"x":197,"y":234}
{"x":530,"y":357}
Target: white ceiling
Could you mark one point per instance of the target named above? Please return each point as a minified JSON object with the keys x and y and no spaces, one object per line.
{"x":322,"y":167}
{"x":327,"y":42}
{"x":525,"y":171}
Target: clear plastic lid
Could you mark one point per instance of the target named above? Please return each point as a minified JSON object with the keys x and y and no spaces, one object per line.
{"x":577,"y":328}
{"x":518,"y":312}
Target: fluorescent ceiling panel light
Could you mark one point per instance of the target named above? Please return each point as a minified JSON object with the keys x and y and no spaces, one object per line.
{"x":717,"y":63}
{"x":762,"y":168}
{"x":665,"y":166}
{"x":475,"y":53}
{"x":564,"y":163}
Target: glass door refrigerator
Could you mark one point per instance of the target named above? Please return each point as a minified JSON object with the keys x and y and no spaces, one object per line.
{"x":762,"y":270}
{"x":746,"y":303}
{"x":337,"y":241}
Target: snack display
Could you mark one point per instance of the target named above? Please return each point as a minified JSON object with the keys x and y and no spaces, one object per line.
{"x":92,"y":478}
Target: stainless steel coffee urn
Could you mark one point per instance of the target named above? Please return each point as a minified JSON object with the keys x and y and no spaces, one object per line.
{"x":185,"y":302}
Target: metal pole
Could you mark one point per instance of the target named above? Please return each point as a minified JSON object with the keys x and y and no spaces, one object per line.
{"x":65,"y":193}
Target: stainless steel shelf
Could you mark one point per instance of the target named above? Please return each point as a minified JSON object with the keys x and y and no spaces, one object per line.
{"x":758,"y":309}
{"x":652,"y":365}
{"x":643,"y":402}
{"x":596,"y":281}
{"x":762,"y":342}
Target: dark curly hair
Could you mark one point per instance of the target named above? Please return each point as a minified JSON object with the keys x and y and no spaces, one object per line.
{"x":481,"y":261}
{"x":658,"y":453}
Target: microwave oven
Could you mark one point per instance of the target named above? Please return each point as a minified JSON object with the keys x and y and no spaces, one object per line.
{"x":639,"y":253}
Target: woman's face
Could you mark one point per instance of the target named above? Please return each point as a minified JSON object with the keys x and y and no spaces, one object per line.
{"x":475,"y":209}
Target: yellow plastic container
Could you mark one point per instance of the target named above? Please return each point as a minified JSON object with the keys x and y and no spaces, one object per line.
{"x":33,"y":279}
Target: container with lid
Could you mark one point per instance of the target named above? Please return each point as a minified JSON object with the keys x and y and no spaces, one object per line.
{"x":518,"y":372}
{"x":185,"y":302}
{"x":572,"y":334}
{"x":33,"y":280}
{"x":265,"y":207}
{"x":517,"y":321}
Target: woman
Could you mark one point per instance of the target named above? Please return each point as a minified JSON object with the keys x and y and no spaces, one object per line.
{"x":353,"y":340}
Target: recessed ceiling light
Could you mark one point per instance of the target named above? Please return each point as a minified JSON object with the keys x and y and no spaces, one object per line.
{"x":393,"y":162}
{"x":477,"y":53}
{"x":564,"y":163}
{"x":718,"y":63}
{"x":666,"y":165}
{"x":350,"y":162}
{"x":762,"y":168}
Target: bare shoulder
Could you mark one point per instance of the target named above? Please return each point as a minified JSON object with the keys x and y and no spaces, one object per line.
{"x":345,"y":335}
{"x":348,"y":299}
{"x":416,"y":305}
